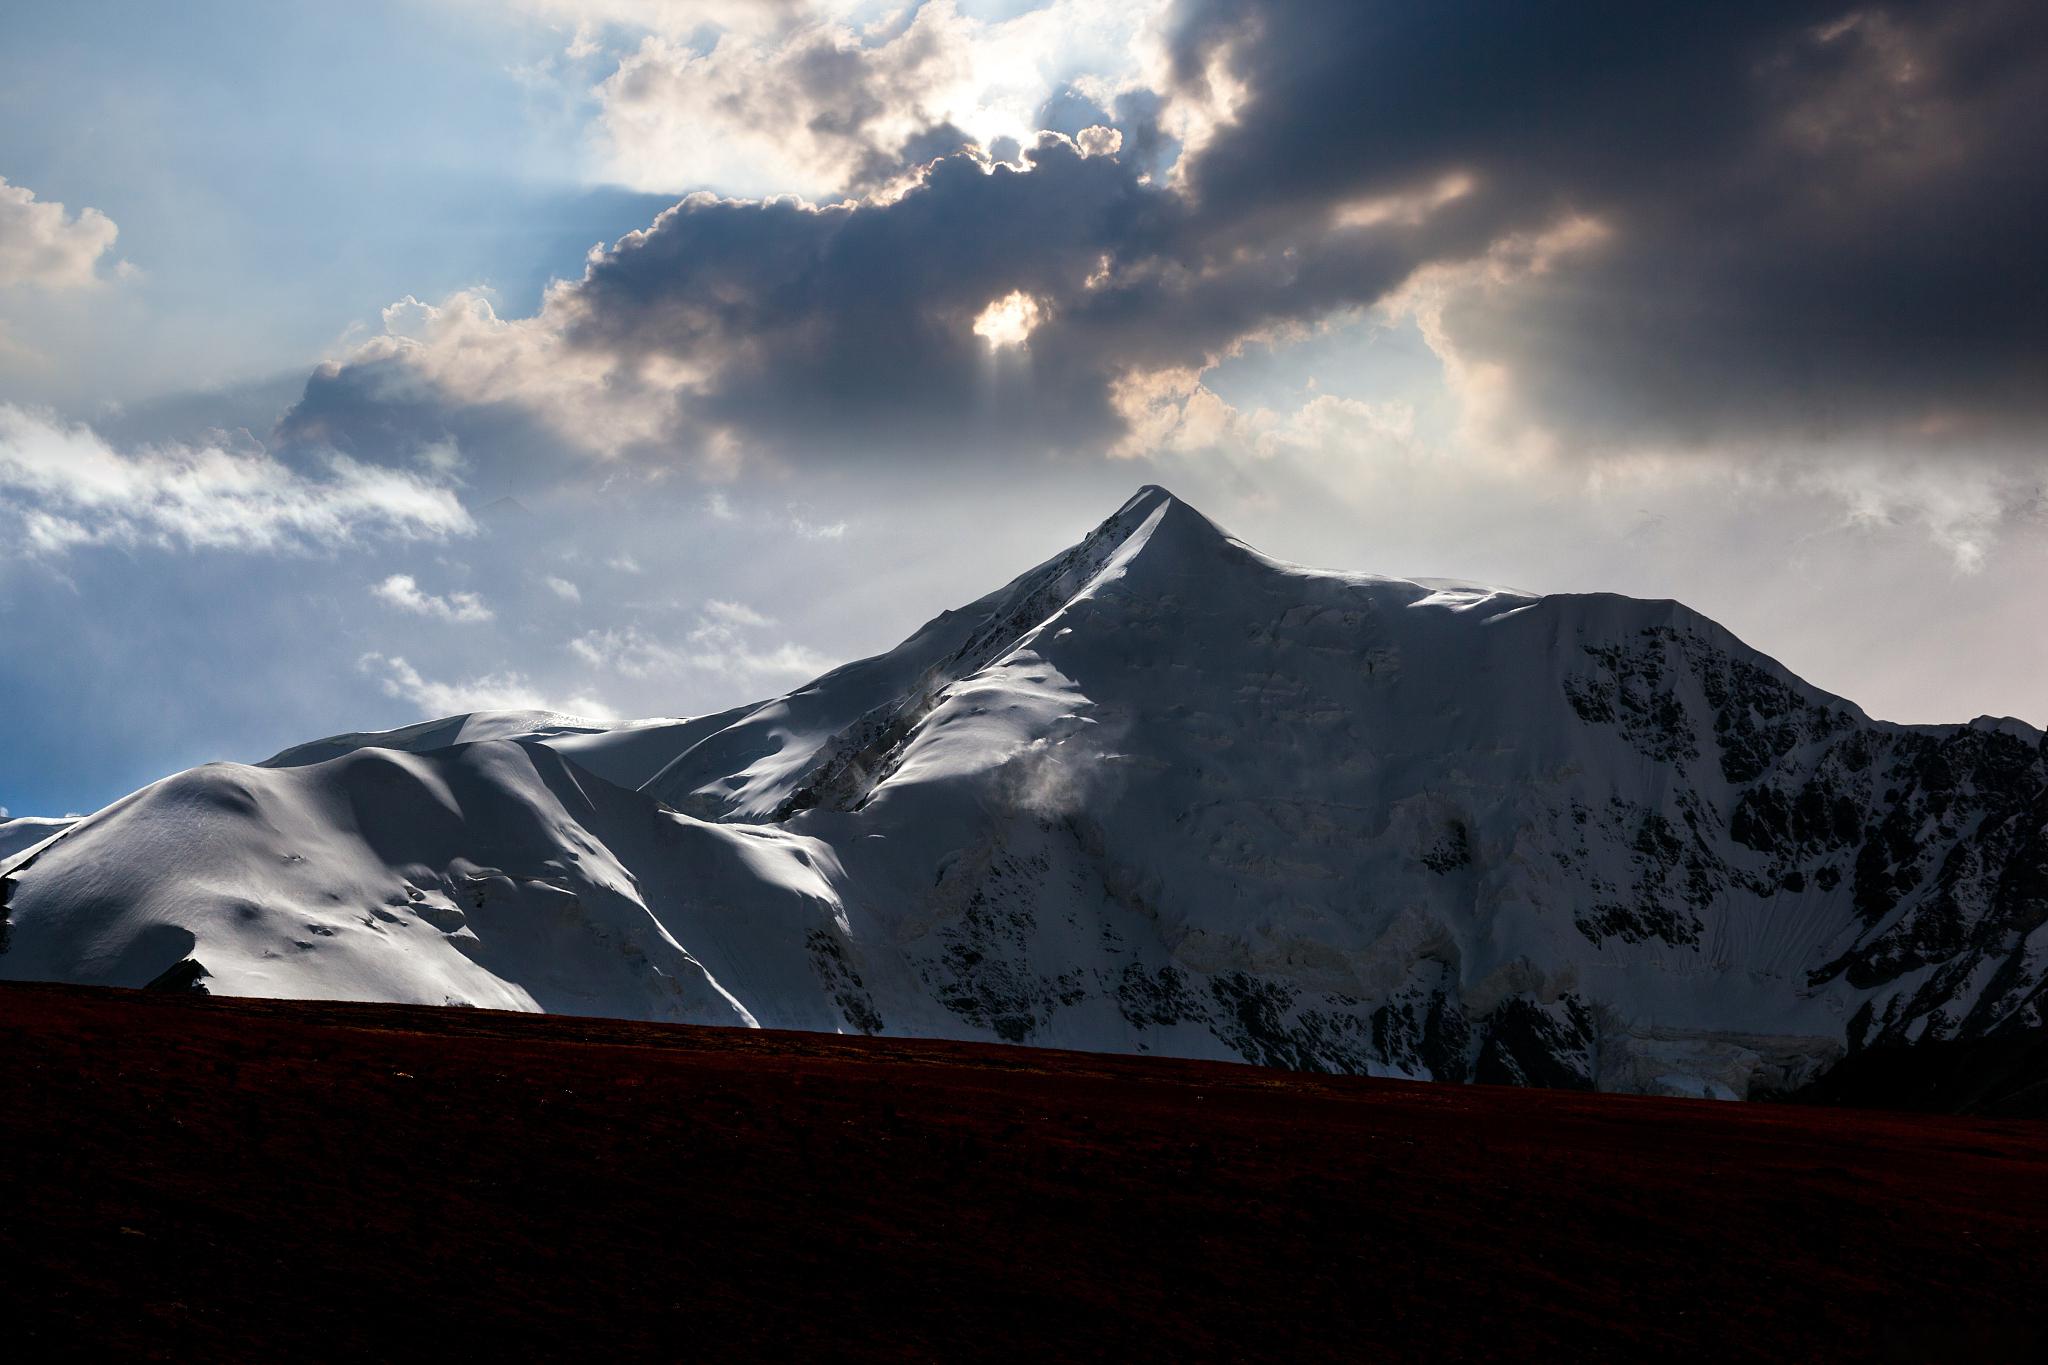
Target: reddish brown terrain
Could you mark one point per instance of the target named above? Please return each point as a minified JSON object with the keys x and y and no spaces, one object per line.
{"x":250,"y":1179}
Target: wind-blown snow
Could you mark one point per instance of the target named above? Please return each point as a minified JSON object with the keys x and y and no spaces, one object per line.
{"x":1160,"y":793}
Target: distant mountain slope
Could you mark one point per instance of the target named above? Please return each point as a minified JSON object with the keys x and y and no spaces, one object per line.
{"x":1161,"y":793}
{"x":24,"y":832}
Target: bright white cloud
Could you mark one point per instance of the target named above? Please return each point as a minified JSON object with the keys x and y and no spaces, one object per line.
{"x":492,"y":692}
{"x":401,"y":590}
{"x":66,"y":487}
{"x":809,"y":99}
{"x":42,"y":245}
{"x":563,"y":588}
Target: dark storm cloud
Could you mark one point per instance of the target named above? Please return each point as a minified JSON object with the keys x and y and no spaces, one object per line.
{"x":838,"y":322}
{"x":819,"y":331}
{"x":852,"y":326}
{"x":1819,"y":217}
{"x":1811,"y":219}
{"x":842,"y":324}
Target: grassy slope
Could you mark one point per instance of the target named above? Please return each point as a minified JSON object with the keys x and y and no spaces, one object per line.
{"x":250,"y":1178}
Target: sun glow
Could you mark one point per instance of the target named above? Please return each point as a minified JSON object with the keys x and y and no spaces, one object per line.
{"x":1009,"y":320}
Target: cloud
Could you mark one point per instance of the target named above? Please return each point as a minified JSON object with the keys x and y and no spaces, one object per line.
{"x":1964,"y":511}
{"x":563,"y":588}
{"x":735,"y":331}
{"x":456,"y":375}
{"x":403,"y":592}
{"x":719,"y":649}
{"x":1792,"y":226}
{"x":816,"y":111}
{"x":817,"y":530}
{"x":812,"y":101}
{"x":1371,"y":454}
{"x":773,"y":310}
{"x":736,"y":613}
{"x":676,"y":16}
{"x":1098,"y":140}
{"x":628,"y":652}
{"x":493,"y":692}
{"x":720,"y":644}
{"x":1804,"y":221}
{"x":41,"y":245}
{"x":65,"y":487}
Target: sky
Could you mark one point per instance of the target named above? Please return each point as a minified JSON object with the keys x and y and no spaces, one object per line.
{"x":361,"y":364}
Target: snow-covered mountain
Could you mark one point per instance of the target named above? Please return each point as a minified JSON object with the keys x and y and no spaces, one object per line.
{"x":1161,"y":793}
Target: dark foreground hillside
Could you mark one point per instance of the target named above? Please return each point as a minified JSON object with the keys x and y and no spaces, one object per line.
{"x":251,"y":1179}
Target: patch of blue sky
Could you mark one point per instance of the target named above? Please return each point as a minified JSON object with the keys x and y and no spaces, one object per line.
{"x":1364,"y":355}
{"x":280,"y":171}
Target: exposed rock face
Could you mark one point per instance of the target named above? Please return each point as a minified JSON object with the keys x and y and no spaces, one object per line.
{"x":1160,"y":793}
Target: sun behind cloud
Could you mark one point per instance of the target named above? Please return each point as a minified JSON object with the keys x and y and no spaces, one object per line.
{"x":1009,"y":320}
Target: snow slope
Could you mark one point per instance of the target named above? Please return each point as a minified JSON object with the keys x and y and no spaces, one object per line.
{"x":1161,"y":793}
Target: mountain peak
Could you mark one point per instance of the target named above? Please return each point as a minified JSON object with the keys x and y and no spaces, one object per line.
{"x":1147,"y":497}
{"x":1163,"y":518}
{"x":1151,"y":498}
